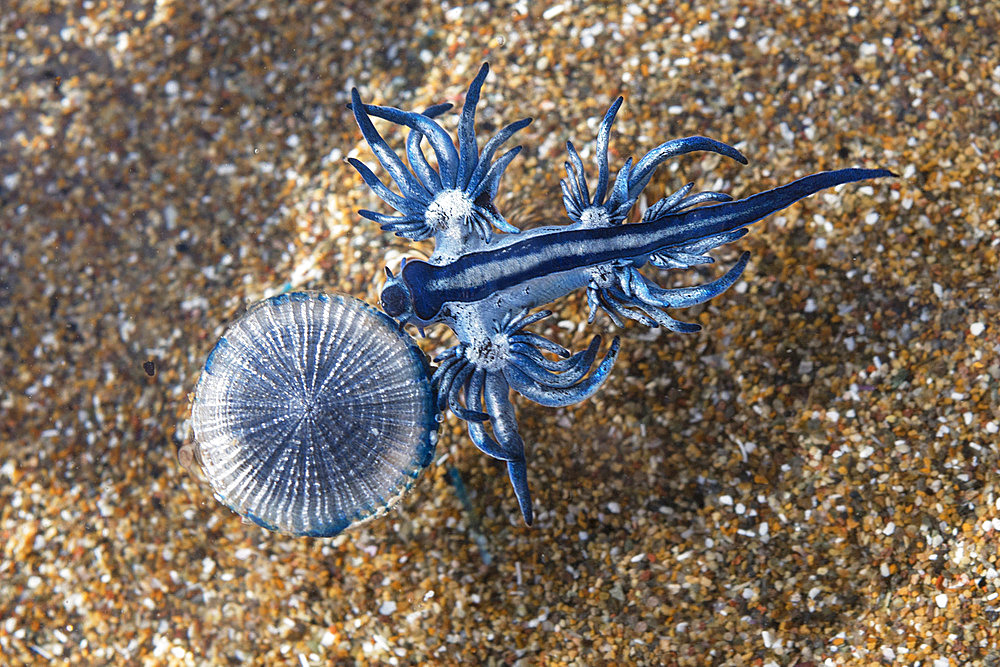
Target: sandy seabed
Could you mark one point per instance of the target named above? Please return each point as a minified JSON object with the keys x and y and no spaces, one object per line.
{"x":810,"y":480}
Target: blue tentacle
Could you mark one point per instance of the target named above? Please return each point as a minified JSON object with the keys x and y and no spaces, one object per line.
{"x":477,"y":431}
{"x":489,"y":216}
{"x":515,"y":321}
{"x":479,"y":221}
{"x":435,"y":110}
{"x":701,"y":198}
{"x":480,"y":438}
{"x":530,"y":350}
{"x":455,"y":395}
{"x":620,"y":301}
{"x":538,"y":374}
{"x":664,"y":320}
{"x":561,"y":397}
{"x":540,"y":342}
{"x":468,"y":150}
{"x":569,"y":201}
{"x":384,"y":219}
{"x":416,"y":232}
{"x":496,"y":395}
{"x":421,"y":167}
{"x":597,"y":298}
{"x":526,"y":352}
{"x":391,"y":162}
{"x":679,"y":201}
{"x":682,"y":297}
{"x":449,"y":383}
{"x":486,"y":157}
{"x":650,"y":161}
{"x":412,"y":205}
{"x":439,"y":140}
{"x":418,"y":161}
{"x":576,"y":195}
{"x":473,"y":401}
{"x":619,"y":306}
{"x":571,"y":184}
{"x":603,"y":140}
{"x":451,"y":353}
{"x":545,"y":376}
{"x":491,"y":182}
{"x":579,"y":363}
{"x":711,"y":242}
{"x":574,"y":171}
{"x":517,"y":471}
{"x":667,"y":203}
{"x":683,"y":257}
{"x":444,"y":376}
{"x":593,"y":303}
{"x":620,"y":202}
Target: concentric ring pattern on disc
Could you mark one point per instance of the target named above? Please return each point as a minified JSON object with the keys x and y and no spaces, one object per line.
{"x":314,"y":412}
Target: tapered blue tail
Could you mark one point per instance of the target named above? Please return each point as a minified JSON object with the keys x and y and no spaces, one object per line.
{"x":699,"y":223}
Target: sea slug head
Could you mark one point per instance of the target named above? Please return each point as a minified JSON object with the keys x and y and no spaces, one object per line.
{"x":396,"y":299}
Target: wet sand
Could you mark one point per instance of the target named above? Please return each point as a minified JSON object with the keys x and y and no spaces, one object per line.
{"x":810,"y":480}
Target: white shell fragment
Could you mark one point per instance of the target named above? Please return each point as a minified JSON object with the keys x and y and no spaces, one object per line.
{"x":314,"y":412}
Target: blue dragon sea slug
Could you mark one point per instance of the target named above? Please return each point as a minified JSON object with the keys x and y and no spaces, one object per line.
{"x":313,"y":465}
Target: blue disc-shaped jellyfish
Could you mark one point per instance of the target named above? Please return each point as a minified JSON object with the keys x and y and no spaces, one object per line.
{"x":314,"y":412}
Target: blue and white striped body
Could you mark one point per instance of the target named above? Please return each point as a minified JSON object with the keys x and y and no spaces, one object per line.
{"x":533,"y":268}
{"x":484,"y":285}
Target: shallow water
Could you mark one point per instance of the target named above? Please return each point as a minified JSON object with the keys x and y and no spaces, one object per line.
{"x":809,"y":478}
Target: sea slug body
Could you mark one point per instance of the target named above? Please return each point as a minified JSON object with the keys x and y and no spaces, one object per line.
{"x":302,"y":462}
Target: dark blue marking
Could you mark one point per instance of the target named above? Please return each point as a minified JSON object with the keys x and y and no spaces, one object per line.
{"x":496,"y":270}
{"x":221,"y":345}
{"x":256,"y":519}
{"x":329,"y":530}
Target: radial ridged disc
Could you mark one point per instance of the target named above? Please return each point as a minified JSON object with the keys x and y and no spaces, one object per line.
{"x":314,"y":412}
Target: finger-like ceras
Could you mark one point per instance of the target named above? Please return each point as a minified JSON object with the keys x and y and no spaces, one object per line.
{"x":484,"y":286}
